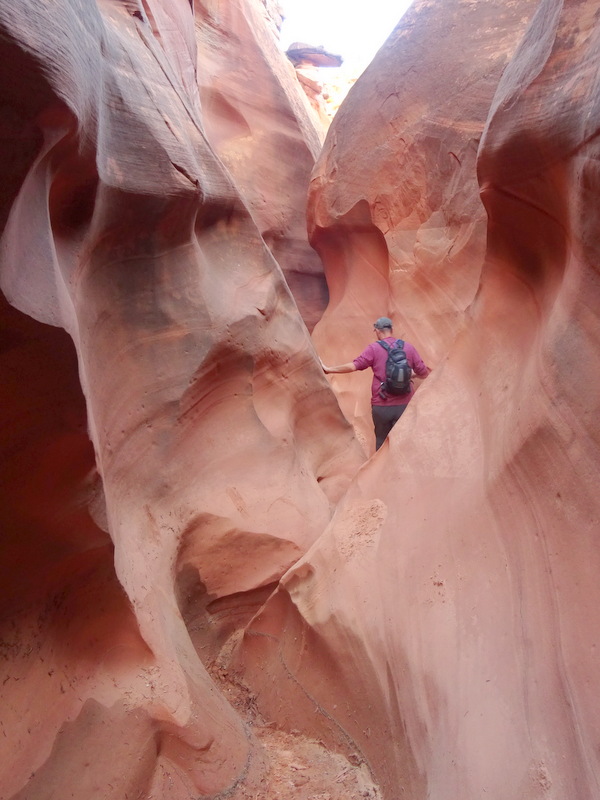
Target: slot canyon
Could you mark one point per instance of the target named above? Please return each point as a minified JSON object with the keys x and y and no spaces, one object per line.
{"x":212,"y":586}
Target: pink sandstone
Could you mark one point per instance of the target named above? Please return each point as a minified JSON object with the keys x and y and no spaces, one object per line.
{"x":265,"y":132}
{"x":447,"y":618}
{"x":394,"y":208}
{"x":205,"y":590}
{"x":188,"y":364}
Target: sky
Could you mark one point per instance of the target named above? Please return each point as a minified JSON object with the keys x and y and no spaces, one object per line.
{"x":354,"y":29}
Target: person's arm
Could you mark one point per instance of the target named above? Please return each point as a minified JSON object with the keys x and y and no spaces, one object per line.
{"x":420,"y":369}
{"x":349,"y":367}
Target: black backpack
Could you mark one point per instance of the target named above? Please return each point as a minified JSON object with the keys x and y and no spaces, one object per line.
{"x":397,"y":370}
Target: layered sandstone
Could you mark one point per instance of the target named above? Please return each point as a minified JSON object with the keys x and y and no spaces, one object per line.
{"x":448,"y":615}
{"x":266,"y":133}
{"x":394,"y":207}
{"x":164,"y":463}
{"x":172,"y":454}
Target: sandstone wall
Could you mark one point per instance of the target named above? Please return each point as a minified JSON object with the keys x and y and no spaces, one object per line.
{"x":172,"y":454}
{"x":206,"y":472}
{"x":266,"y":134}
{"x":394,"y":207}
{"x":448,"y":614}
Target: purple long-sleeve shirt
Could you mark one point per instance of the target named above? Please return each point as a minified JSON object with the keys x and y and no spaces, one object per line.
{"x":375,"y":356}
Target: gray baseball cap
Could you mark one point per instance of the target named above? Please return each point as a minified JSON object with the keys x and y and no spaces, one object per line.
{"x":383,"y":322}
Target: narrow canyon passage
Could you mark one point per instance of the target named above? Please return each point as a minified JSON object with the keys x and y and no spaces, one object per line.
{"x":212,"y":587}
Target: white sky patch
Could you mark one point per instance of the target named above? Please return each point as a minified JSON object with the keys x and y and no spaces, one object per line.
{"x":354,"y":31}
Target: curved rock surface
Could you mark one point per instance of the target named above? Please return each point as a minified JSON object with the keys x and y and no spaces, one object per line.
{"x":394,"y":207}
{"x":181,"y":614}
{"x":266,"y":133}
{"x":448,"y":616}
{"x":130,"y":556}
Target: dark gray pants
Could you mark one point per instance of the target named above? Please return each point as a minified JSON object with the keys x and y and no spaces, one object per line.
{"x":384,"y":419}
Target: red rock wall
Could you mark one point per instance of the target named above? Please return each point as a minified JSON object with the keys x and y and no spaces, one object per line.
{"x":170,"y":446}
{"x":265,"y":132}
{"x":394,"y":207}
{"x":448,"y":615}
{"x":206,"y":472}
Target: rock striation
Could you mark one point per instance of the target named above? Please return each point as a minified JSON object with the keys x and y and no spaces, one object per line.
{"x":206,"y":590}
{"x":163,"y":460}
{"x":265,"y":132}
{"x":394,"y":207}
{"x":447,"y":615}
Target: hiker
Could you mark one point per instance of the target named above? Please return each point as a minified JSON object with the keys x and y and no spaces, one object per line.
{"x":386,"y":408}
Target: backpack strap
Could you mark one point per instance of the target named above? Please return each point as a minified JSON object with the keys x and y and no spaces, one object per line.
{"x":385,"y":345}
{"x":400,"y":343}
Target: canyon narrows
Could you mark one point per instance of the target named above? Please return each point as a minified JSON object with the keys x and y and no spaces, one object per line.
{"x":210,"y":588}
